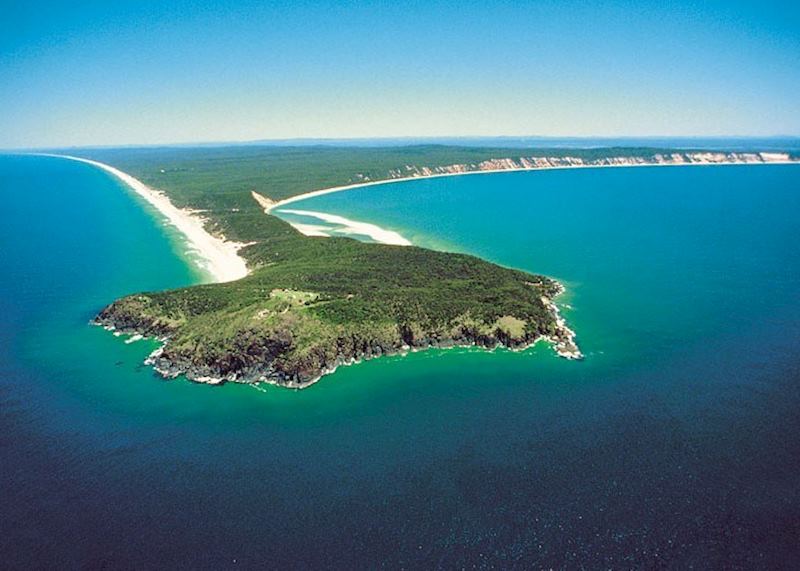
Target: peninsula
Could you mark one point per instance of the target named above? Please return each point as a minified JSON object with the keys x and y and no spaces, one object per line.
{"x":309,"y":304}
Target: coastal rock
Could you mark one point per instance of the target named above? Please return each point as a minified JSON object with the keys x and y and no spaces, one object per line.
{"x":253,"y":356}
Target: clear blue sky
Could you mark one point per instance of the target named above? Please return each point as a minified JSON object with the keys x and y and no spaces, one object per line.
{"x":157,"y":72}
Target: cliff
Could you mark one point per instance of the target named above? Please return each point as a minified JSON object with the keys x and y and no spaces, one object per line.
{"x":549,"y":162}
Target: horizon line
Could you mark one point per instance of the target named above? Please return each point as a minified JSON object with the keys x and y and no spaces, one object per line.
{"x":413,"y":139}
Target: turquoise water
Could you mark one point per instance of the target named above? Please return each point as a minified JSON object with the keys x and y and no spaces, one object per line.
{"x":673,"y":444}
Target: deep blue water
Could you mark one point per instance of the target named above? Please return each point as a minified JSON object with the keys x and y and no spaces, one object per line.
{"x":674,"y":444}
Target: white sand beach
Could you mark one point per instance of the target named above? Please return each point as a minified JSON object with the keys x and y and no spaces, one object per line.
{"x":216,"y":256}
{"x":219,"y":257}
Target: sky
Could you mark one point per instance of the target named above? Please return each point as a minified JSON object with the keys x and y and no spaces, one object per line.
{"x":145,"y":72}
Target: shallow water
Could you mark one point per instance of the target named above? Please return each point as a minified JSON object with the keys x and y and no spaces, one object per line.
{"x":674,"y":443}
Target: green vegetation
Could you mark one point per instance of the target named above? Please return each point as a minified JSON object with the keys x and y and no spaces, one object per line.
{"x":310,"y":304}
{"x":222,"y":177}
{"x":219,"y":180}
{"x":319,"y":302}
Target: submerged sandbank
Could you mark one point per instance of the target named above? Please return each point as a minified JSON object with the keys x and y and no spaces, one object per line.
{"x":336,"y":225}
{"x":342,"y":225}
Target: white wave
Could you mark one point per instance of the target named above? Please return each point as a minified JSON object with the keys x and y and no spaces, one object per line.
{"x":342,"y":225}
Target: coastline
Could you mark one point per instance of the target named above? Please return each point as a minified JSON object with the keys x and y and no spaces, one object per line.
{"x":219,"y":258}
{"x":765,"y":159}
{"x":562,"y":338}
{"x":562,"y":341}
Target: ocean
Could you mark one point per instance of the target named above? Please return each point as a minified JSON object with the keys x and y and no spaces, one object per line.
{"x":674,"y":444}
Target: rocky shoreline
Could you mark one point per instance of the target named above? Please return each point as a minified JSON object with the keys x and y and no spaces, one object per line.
{"x":169,"y":367}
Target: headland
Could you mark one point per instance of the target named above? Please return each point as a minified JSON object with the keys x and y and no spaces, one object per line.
{"x":311,"y":304}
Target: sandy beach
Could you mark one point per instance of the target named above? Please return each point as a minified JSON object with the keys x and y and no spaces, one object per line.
{"x":217,"y":257}
{"x":703,"y":159}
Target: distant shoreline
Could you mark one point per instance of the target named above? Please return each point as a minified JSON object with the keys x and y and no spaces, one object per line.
{"x":321,"y":192}
{"x":221,"y":261}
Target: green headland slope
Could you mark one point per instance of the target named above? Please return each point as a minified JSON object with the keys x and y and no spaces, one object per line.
{"x":311,"y":304}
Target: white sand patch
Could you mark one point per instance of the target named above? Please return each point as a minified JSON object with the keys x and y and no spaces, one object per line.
{"x":342,"y":225}
{"x":311,"y":229}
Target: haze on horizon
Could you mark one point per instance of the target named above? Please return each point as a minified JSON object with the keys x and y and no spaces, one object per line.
{"x":141,"y":72}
